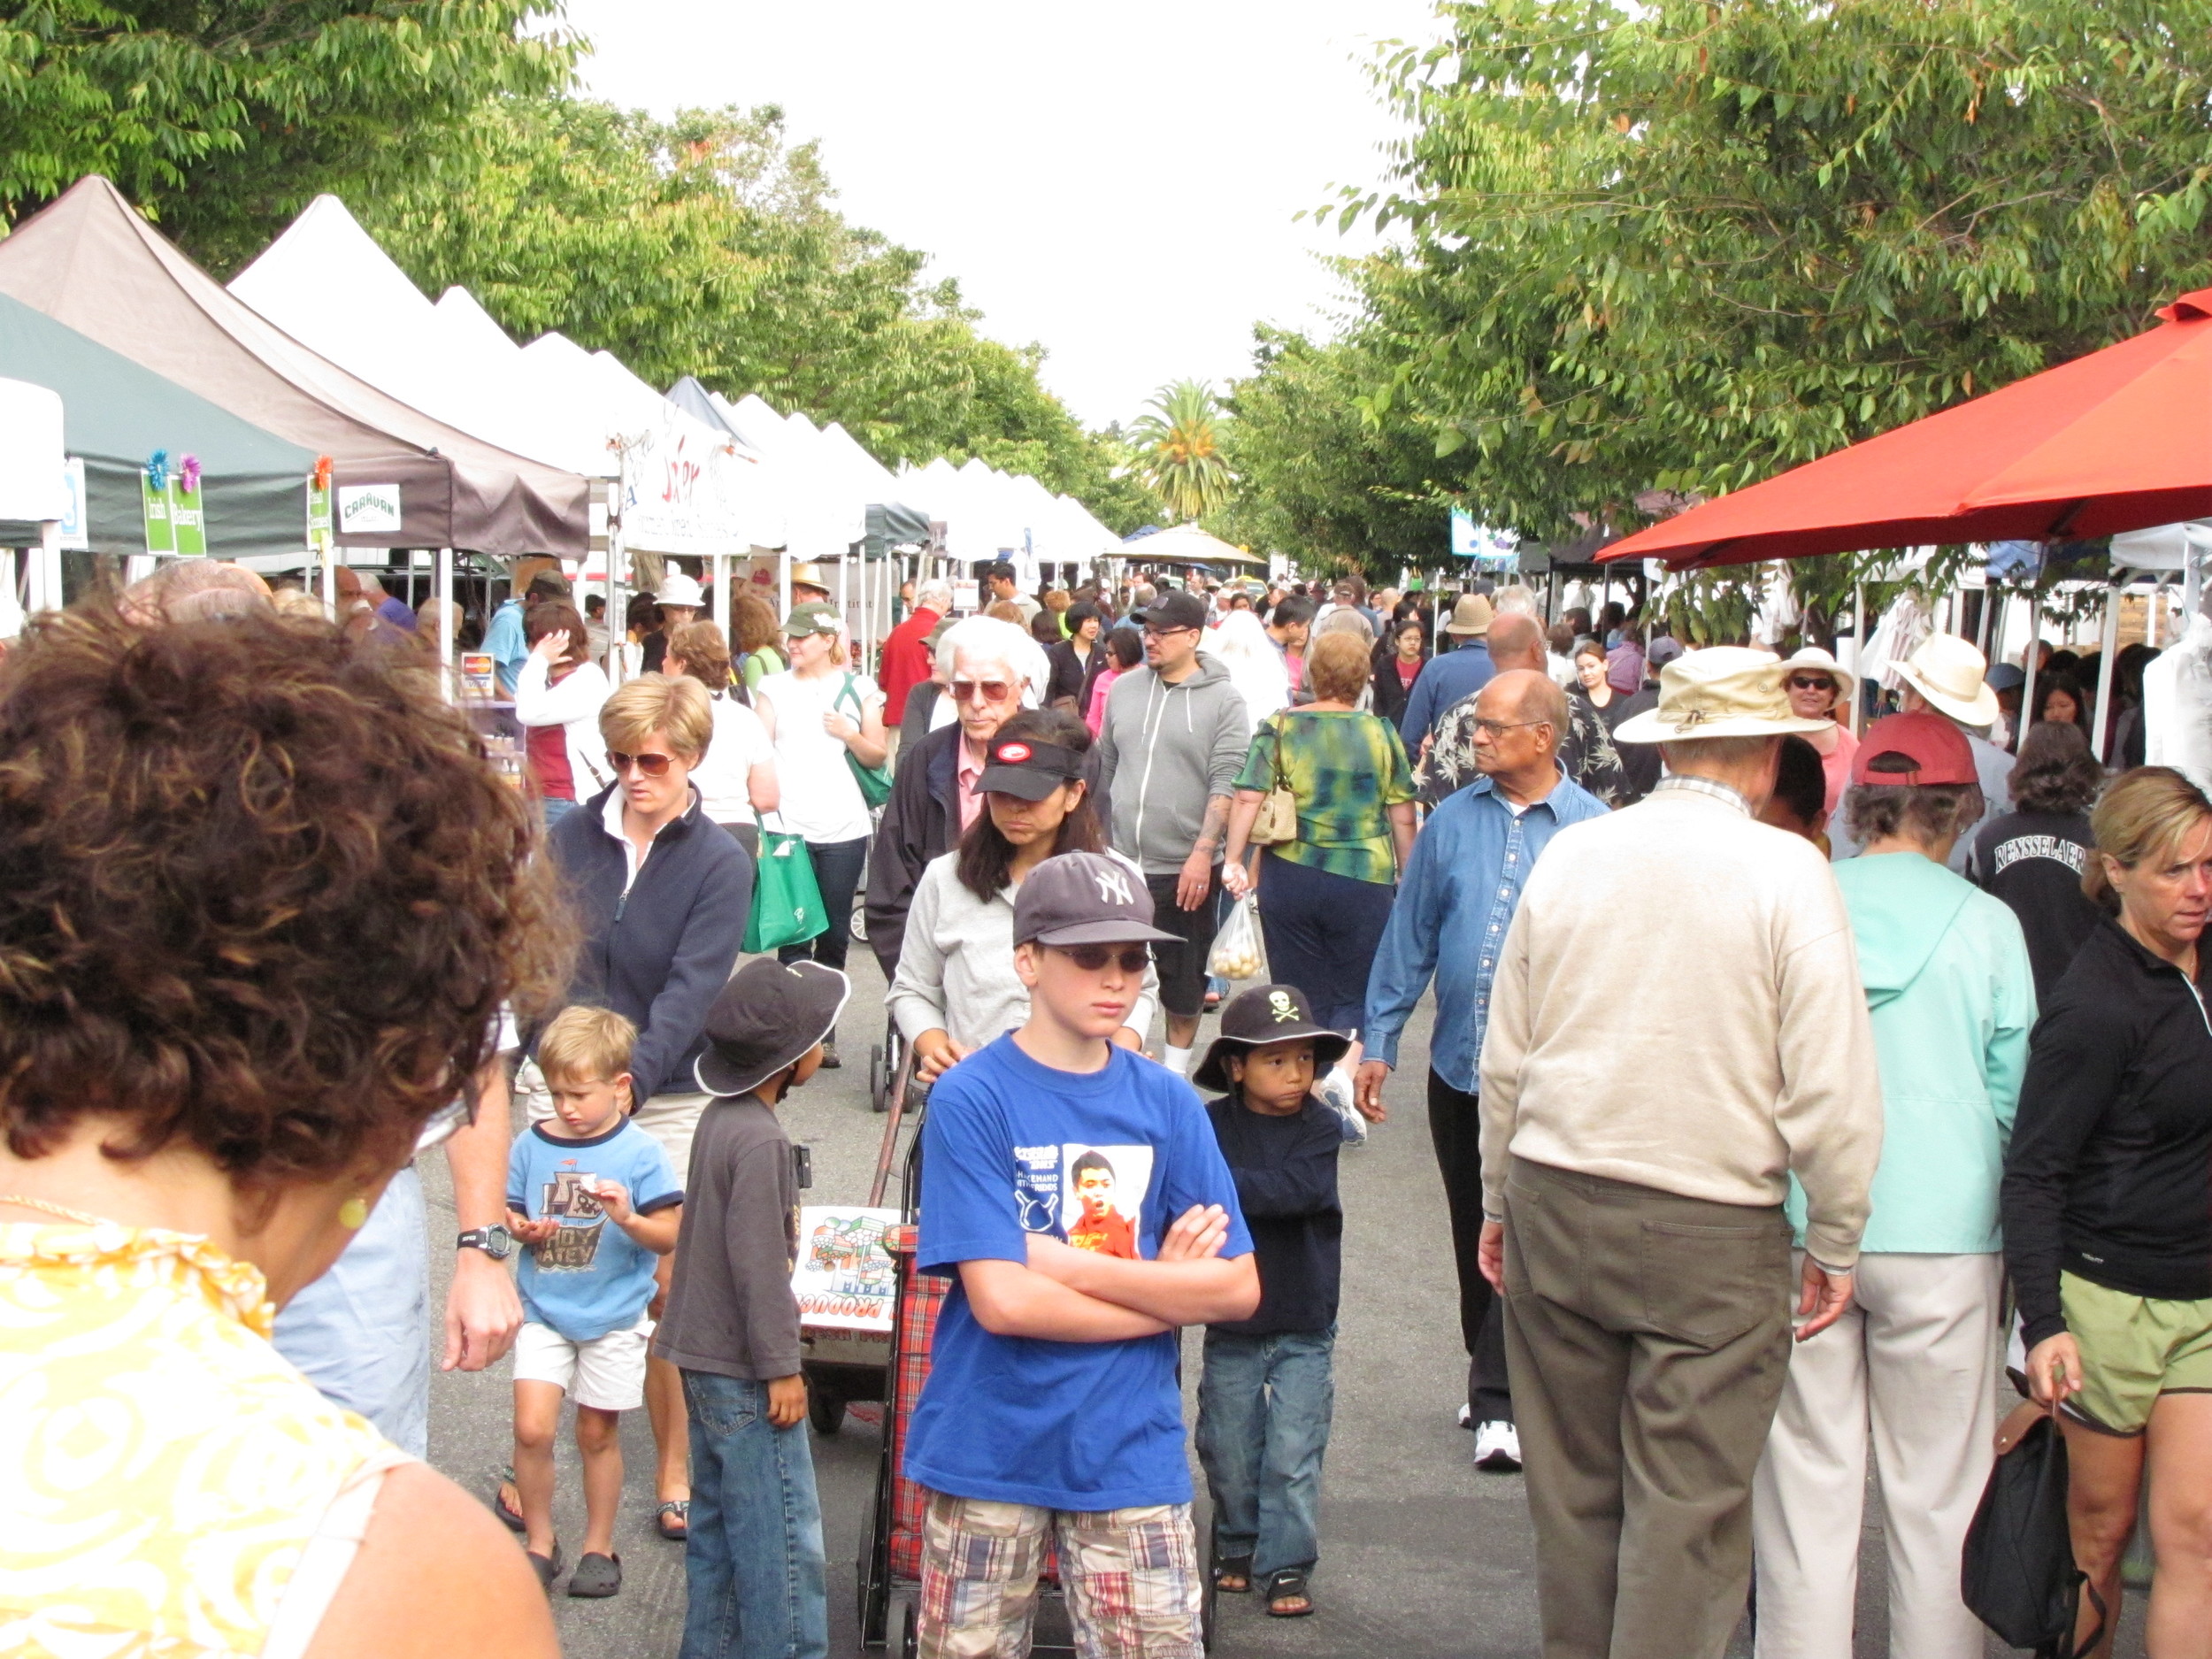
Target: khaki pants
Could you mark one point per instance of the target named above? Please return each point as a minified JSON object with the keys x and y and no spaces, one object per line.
{"x":1647,"y":1336}
{"x":1913,"y":1360}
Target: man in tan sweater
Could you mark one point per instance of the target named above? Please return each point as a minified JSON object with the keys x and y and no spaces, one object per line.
{"x":1645,"y":1096}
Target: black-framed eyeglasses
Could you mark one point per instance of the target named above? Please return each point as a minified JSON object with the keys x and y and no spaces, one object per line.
{"x":443,"y":1125}
{"x":1499,"y":728}
{"x":1094,"y":958}
{"x":647,"y":765}
{"x":1160,"y":633}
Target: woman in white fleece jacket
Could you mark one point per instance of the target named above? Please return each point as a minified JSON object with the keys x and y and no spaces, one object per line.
{"x":955,"y":988}
{"x":558,"y":695}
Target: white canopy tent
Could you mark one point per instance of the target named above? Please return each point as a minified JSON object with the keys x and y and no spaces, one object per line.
{"x":34,"y":490}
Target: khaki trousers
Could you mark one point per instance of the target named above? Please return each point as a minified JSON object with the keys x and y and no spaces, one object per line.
{"x":1913,"y":1363}
{"x":1647,"y":1336}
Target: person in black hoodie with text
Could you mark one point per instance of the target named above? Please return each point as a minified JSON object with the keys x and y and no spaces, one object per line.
{"x":2107,"y":1206}
{"x":1269,"y":1387}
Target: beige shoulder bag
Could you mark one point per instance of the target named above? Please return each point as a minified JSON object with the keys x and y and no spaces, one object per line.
{"x":1278,"y":821}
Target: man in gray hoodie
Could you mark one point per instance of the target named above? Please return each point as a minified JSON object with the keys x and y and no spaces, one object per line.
{"x":1175,"y":733}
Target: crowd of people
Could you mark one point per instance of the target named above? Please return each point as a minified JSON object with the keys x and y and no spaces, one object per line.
{"x":1772,"y":1067}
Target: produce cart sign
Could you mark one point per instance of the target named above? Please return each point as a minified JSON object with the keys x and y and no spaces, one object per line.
{"x":844,"y":1278}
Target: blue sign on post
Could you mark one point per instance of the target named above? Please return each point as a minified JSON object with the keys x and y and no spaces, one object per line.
{"x":1466,"y":540}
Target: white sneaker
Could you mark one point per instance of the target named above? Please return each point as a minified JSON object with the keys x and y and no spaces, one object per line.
{"x":1467,"y":1416}
{"x":1336,"y":1088}
{"x":1498,"y":1448}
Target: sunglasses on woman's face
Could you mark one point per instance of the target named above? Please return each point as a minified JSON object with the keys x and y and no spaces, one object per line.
{"x":1811,"y":682}
{"x":979,"y":690}
{"x":1094,"y":958}
{"x":647,"y":765}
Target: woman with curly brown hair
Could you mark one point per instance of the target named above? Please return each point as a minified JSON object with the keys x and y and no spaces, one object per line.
{"x":265,"y":904}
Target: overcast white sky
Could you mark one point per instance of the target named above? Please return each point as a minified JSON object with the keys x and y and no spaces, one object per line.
{"x":1115,"y":181}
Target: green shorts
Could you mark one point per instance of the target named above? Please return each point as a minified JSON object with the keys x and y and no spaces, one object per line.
{"x":2133,"y":1349}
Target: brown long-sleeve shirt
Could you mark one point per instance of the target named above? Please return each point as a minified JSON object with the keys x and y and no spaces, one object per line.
{"x":730,"y":1308}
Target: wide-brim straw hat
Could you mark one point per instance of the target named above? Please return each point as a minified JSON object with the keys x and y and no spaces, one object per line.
{"x":1470,"y":617}
{"x":1949,"y":673}
{"x":1813,"y":659}
{"x":1723,"y":691}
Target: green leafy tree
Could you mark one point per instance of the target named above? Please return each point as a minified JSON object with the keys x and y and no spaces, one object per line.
{"x":1689,"y":243}
{"x":224,"y":118}
{"x":1179,"y":449}
{"x":1316,"y":481}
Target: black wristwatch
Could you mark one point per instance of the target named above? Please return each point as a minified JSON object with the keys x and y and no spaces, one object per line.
{"x":494,"y":1241}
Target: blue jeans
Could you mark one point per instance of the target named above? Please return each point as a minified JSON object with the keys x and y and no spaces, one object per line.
{"x":555,"y":809}
{"x":1263,"y":1408}
{"x":837,"y":870}
{"x":361,"y":1333}
{"x":752,"y":1565}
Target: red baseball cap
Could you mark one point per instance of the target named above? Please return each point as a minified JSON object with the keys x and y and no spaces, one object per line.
{"x":1937,"y":749}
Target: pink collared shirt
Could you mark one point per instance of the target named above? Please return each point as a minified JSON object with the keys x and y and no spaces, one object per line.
{"x":965,"y":774}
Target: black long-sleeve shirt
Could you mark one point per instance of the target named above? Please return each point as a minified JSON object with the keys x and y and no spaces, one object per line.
{"x":2109,"y":1172}
{"x":1285,"y":1169}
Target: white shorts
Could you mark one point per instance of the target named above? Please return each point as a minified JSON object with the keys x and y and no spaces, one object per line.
{"x":606,"y":1373}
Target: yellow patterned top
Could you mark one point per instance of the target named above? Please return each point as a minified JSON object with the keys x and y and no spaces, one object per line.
{"x":162,"y":1467}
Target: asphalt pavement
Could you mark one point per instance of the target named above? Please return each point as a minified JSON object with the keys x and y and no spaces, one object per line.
{"x":1422,"y":1558}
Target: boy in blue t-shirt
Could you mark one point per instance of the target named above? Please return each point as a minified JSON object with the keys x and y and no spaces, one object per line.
{"x":594,"y":1197}
{"x":1052,"y":1404}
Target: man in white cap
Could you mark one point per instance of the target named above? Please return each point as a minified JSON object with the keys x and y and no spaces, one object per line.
{"x":681,"y":600}
{"x":1450,"y":676}
{"x":1947,"y":675}
{"x":1639,"y":1135}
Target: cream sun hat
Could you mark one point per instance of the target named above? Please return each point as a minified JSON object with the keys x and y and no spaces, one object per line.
{"x":1949,"y":672}
{"x":1723,"y":691}
{"x":1813,"y":660}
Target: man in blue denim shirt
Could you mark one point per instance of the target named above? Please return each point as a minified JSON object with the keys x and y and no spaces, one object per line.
{"x":1455,"y":901}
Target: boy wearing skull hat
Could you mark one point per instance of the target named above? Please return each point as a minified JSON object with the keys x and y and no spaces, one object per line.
{"x":1264,"y":1402}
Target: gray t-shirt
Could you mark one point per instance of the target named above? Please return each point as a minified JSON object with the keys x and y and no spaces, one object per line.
{"x":730,"y":1309}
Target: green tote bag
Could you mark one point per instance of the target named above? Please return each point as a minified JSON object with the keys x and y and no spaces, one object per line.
{"x":874,"y":782}
{"x":788,"y":907}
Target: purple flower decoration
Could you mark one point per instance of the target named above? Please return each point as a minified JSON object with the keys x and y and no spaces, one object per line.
{"x":188,"y":475}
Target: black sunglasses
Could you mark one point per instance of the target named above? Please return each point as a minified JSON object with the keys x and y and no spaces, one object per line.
{"x":1094,"y":958}
{"x":651,"y":765}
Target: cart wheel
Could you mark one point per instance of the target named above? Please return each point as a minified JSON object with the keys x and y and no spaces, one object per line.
{"x":878,"y":1078}
{"x":857,"y":925}
{"x":825,"y":1410}
{"x":909,"y":1628}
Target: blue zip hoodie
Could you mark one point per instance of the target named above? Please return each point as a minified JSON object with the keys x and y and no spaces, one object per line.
{"x":1952,"y":998}
{"x":659,"y":953}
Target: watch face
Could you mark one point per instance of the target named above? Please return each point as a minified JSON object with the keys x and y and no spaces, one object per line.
{"x":503,"y":1242}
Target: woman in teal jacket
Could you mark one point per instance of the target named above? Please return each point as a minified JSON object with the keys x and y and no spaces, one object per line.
{"x":1913,"y":1363}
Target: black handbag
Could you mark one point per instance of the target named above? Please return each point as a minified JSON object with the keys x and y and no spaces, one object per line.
{"x":2018,"y":1573}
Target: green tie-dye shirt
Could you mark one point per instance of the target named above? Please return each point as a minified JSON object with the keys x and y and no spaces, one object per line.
{"x":1346,"y":769}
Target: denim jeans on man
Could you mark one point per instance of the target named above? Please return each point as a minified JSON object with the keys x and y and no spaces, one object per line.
{"x":753,"y":1566}
{"x":1263,"y":1408}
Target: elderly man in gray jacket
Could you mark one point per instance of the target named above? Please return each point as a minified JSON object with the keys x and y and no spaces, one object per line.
{"x":1639,"y":1134}
{"x":1172,"y":742}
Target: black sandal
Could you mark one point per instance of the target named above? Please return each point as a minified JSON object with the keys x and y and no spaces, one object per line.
{"x":1233,"y":1567}
{"x":547,"y":1567}
{"x":680,"y":1507}
{"x":504,"y":1510}
{"x":1289,"y":1585}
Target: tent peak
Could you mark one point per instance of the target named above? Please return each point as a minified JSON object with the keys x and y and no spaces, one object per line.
{"x":2189,"y":308}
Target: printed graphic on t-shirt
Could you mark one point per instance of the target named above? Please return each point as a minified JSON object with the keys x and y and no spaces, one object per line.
{"x":2057,"y":848}
{"x":572,"y":1198}
{"x":1091,"y":1196}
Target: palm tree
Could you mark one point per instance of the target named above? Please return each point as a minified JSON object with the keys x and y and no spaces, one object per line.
{"x":1178,"y":451}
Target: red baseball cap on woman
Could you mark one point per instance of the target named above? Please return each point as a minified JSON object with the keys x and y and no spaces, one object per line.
{"x":1937,"y":749}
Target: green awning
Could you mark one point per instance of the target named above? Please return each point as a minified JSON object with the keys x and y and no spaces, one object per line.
{"x":116,"y":414}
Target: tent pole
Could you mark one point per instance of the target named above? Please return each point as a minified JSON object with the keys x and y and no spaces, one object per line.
{"x":330,"y":576}
{"x":2108,"y":639}
{"x":1858,"y":654}
{"x":721,"y":572}
{"x":783,"y":584}
{"x":2031,"y":658}
{"x":445,"y":611}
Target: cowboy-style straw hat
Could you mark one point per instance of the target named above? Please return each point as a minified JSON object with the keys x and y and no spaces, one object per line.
{"x":1813,"y":660}
{"x":1723,"y":691}
{"x":1948,"y":672}
{"x":1470,"y":617}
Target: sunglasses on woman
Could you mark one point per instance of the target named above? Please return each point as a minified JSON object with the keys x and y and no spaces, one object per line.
{"x":1811,"y":682}
{"x":647,"y":765}
{"x":1094,"y":958}
{"x":979,"y":690}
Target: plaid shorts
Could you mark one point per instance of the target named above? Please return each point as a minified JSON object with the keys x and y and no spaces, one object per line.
{"x":1131,"y":1577}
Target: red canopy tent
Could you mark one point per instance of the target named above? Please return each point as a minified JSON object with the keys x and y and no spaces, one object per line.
{"x":2119,"y":440}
